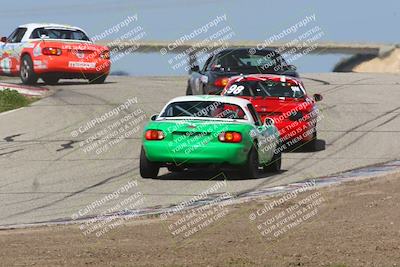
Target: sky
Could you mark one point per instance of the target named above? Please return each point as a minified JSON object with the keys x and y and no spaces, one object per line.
{"x":340,"y":21}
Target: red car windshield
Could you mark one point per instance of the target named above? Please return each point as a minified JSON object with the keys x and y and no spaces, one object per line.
{"x":208,"y":109}
{"x":264,"y":89}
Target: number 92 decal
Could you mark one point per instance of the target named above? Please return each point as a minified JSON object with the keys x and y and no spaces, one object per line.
{"x":235,"y":90}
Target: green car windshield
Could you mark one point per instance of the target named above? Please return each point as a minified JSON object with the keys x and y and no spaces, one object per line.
{"x":264,"y":89}
{"x":204,"y":109}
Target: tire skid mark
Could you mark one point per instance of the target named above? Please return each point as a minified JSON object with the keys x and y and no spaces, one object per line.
{"x":350,"y":143}
{"x":51,"y":203}
{"x":58,"y":98}
{"x":11,"y":137}
{"x":365,"y":133}
{"x":343,"y":86}
{"x":72,"y":160}
{"x":360,"y":131}
{"x":316,"y":80}
{"x":258,"y":185}
{"x":23,"y":201}
{"x":364,"y":123}
{"x":65,"y":146}
{"x":359,"y":174}
{"x":10,"y":152}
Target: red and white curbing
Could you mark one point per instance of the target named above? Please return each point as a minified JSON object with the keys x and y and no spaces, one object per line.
{"x":25,"y":90}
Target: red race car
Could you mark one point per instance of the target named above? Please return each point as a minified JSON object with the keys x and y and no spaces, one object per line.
{"x":52,"y":52}
{"x":282,"y":99}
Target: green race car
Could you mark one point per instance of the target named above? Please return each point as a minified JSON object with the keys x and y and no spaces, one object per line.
{"x":196,"y":131}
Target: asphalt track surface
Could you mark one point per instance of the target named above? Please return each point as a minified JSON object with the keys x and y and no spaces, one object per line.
{"x":45,"y":175}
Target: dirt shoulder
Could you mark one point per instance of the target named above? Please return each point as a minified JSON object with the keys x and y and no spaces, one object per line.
{"x":356,"y":224}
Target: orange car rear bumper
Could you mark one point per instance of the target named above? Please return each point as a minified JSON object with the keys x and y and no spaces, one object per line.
{"x":54,"y":64}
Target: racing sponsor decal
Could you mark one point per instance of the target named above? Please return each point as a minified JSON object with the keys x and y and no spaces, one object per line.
{"x":16,"y":52}
{"x":5,"y":65}
{"x":29,"y":45}
{"x":85,"y":65}
{"x":7,"y":52}
{"x":37,"y":51}
{"x":40,"y":64}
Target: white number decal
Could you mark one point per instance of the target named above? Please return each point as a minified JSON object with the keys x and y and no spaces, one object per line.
{"x":234,"y":89}
{"x":231,"y":89}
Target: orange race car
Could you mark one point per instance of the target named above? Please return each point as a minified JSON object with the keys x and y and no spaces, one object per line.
{"x":52,"y":52}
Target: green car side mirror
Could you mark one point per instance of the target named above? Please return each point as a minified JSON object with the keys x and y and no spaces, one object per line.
{"x":154,"y":117}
